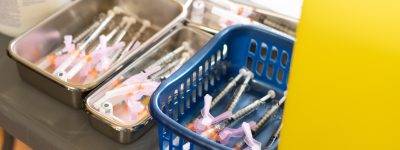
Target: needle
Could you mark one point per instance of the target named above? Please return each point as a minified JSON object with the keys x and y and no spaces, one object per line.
{"x":170,"y":56}
{"x":146,"y":24}
{"x":228,"y":87}
{"x":185,"y":57}
{"x":129,"y":22}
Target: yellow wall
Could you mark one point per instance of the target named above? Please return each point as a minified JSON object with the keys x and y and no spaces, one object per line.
{"x":344,"y":87}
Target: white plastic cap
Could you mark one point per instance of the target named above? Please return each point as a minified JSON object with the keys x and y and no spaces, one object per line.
{"x":124,"y":20}
{"x":62,"y":75}
{"x":186,"y":55}
{"x":117,"y":10}
{"x":106,"y":108}
{"x":250,"y":74}
{"x":186,"y":45}
{"x":272,"y":93}
{"x":132,"y":20}
{"x":243,"y":71}
{"x":146,"y":23}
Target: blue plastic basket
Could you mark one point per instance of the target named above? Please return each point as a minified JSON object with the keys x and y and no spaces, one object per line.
{"x":180,"y":97}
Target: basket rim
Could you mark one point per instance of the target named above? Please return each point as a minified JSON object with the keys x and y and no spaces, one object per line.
{"x":171,"y":124}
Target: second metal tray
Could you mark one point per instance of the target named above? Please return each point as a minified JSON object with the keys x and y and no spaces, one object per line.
{"x":120,"y":131}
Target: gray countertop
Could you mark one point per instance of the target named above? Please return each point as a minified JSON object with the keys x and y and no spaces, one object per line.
{"x":44,"y":123}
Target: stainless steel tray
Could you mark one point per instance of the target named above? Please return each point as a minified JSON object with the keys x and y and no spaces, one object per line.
{"x":212,"y":22}
{"x":121,"y":131}
{"x":48,"y":35}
